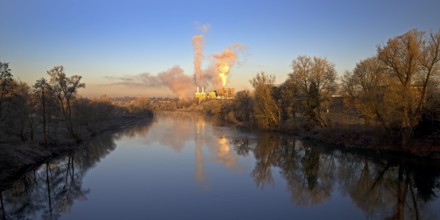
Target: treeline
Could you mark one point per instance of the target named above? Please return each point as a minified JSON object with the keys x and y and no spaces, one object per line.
{"x":396,"y":91}
{"x":50,"y":111}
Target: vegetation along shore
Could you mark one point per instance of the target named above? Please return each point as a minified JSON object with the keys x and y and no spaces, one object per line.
{"x":389,"y":102}
{"x":47,"y":119}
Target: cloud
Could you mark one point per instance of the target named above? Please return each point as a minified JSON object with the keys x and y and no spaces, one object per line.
{"x":140,"y":80}
{"x":203,"y":28}
{"x":173,"y":78}
{"x":214,"y":75}
{"x":176,"y":80}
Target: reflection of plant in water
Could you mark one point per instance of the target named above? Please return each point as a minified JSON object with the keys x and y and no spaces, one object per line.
{"x":55,"y":186}
{"x":2,"y":204}
{"x":310,"y":164}
{"x":300,"y":166}
{"x":266,"y":155}
{"x":359,"y":179}
{"x":71,"y":189}
{"x":389,"y":186}
{"x":312,"y":180}
{"x":138,"y":129}
{"x":241,"y":146}
{"x":20,"y":198}
{"x":379,"y":186}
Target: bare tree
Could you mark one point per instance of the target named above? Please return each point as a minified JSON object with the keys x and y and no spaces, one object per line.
{"x":6,"y":83}
{"x":267,"y":113}
{"x":243,"y":105}
{"x":314,"y":77}
{"x":65,"y":89}
{"x":288,"y":101}
{"x":42,"y":87}
{"x":366,"y":86}
{"x":22,"y":110}
{"x":412,"y":59}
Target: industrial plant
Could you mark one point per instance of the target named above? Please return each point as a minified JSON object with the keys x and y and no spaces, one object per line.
{"x":221,"y":93}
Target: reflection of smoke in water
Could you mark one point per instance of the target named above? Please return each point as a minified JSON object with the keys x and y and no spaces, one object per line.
{"x":200,"y":131}
{"x":224,"y":154}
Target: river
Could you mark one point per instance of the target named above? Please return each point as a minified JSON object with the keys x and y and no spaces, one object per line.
{"x":183,"y":166}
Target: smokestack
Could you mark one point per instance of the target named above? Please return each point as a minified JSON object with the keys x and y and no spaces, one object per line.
{"x":203,"y":89}
{"x":197,"y":89}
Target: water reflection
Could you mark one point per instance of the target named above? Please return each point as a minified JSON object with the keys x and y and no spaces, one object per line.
{"x":46,"y":192}
{"x":381,"y":187}
{"x":51,"y":190}
{"x":384,"y":188}
{"x":177,"y":129}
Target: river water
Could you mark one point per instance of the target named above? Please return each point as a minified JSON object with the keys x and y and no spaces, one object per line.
{"x":184,"y":167}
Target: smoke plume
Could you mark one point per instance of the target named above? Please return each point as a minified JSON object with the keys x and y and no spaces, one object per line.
{"x":215,"y":75}
{"x":224,"y":62}
{"x":176,"y":80}
{"x":197,"y":41}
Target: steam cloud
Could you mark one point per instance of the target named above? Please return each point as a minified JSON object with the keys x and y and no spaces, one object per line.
{"x":173,"y":78}
{"x":176,"y":80}
{"x":215,"y":75}
{"x":197,"y":41}
{"x":223,"y":63}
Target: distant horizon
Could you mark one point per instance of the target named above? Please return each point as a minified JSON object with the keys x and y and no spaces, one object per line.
{"x":121,"y":48}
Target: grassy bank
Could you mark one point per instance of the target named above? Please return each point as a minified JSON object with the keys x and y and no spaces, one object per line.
{"x":16,"y":158}
{"x":341,"y":129}
{"x":367,"y":139}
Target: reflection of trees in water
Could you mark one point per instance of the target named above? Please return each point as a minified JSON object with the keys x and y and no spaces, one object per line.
{"x":139,"y":129}
{"x":266,"y":155}
{"x":363,"y":181}
{"x":3,"y":206}
{"x":381,"y":187}
{"x":309,"y":175}
{"x":55,"y":186}
{"x":47,"y":191}
{"x":390,"y":187}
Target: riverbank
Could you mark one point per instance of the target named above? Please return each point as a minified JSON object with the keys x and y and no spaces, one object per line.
{"x":18,"y":158}
{"x":375,"y":141}
{"x":356,"y":137}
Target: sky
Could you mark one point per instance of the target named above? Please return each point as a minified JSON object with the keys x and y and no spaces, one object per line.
{"x":113,"y":45}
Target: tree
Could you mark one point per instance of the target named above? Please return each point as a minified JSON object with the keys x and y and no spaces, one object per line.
{"x":315,"y":80}
{"x":16,"y":111}
{"x":65,"y":89}
{"x":287,"y":101}
{"x":267,"y":113}
{"x":141,"y":105}
{"x":6,"y":83}
{"x":41,"y":86}
{"x":412,"y":60}
{"x":243,"y":106}
{"x":22,"y":109}
{"x":366,"y":86}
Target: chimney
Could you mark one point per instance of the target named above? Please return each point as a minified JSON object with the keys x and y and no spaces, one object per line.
{"x":203,"y":89}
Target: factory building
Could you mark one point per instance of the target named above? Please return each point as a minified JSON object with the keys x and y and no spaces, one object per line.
{"x":222,"y":93}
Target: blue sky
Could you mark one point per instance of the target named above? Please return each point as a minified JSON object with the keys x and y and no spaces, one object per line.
{"x":103,"y":39}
